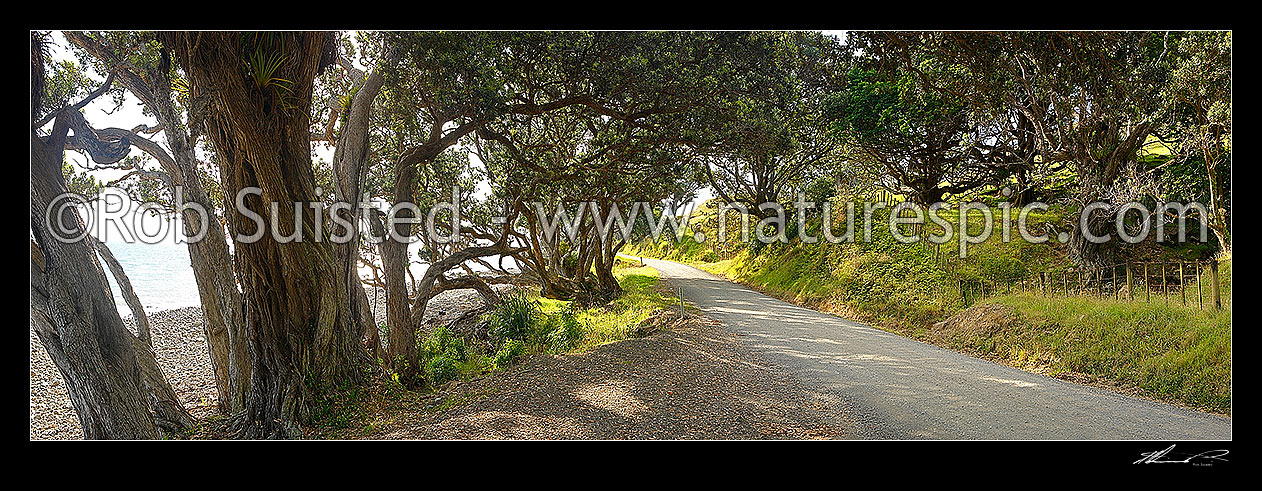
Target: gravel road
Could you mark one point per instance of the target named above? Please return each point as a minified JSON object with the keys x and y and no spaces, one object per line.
{"x":898,"y":388}
{"x":694,"y":381}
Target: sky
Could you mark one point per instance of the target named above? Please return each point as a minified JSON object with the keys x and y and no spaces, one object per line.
{"x":101,"y":113}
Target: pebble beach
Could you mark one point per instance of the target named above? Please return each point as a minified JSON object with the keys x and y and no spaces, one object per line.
{"x":179,"y":343}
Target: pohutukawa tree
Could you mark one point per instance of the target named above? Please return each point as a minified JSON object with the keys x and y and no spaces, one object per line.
{"x":441,"y":90}
{"x":143,"y":67}
{"x":302,"y":323}
{"x":902,"y":115}
{"x":566,"y":120}
{"x":451,"y":85}
{"x":352,"y":161}
{"x":764,"y":137}
{"x":1091,"y":97}
{"x":626,"y":139}
{"x":113,"y":380}
{"x":1197,"y":115}
{"x":569,"y":160}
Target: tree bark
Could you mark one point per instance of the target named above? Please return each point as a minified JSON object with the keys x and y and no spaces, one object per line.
{"x":168,"y":413}
{"x":303,"y":335}
{"x":210,"y":260}
{"x":401,"y":322}
{"x":143,"y":331}
{"x":74,"y":315}
{"x":350,"y":164}
{"x":1218,"y":213}
{"x":170,"y":416}
{"x":402,"y":348}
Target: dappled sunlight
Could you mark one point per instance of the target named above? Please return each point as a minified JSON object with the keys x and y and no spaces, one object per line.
{"x":465,"y":233}
{"x":502,"y":425}
{"x":1014,"y":383}
{"x":692,"y":382}
{"x":614,"y":396}
{"x":917,"y":390}
{"x":724,"y":360}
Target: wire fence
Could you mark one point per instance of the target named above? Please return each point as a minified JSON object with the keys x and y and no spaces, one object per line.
{"x":1189,"y":283}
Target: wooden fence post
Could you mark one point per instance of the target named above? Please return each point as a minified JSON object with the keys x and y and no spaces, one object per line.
{"x":1147,"y":286}
{"x":1183,"y":291}
{"x":1130,"y":283}
{"x":1213,"y":277}
{"x":1165,"y":286}
{"x":1113,"y":281}
{"x":1200,"y":298}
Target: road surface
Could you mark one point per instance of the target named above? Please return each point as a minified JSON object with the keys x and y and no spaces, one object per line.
{"x":898,"y":388}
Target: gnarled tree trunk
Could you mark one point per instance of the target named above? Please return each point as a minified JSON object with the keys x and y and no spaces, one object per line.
{"x":209,"y":257}
{"x":74,"y":315}
{"x":303,"y":335}
{"x":402,"y":348}
{"x":72,"y":310}
{"x":168,"y":413}
{"x":350,"y":164}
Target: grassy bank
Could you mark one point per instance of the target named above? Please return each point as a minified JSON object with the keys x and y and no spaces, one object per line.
{"x":1159,"y":350}
{"x":880,"y":280}
{"x":527,"y":324}
{"x":1167,"y":352}
{"x":619,"y":319}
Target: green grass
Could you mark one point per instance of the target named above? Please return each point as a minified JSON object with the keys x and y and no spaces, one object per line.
{"x":883,"y":281}
{"x":362,"y":411}
{"x":1224,"y":282}
{"x":1170,"y":352}
{"x":355,"y":411}
{"x":619,"y":319}
{"x":1166,"y":350}
{"x":549,"y":326}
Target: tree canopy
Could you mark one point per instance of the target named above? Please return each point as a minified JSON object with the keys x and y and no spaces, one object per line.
{"x":593,"y":124}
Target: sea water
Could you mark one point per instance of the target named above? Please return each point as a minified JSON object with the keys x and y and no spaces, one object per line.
{"x":158,"y":264}
{"x":161,"y":274}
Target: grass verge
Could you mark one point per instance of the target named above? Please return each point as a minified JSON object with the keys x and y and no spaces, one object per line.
{"x":1166,"y":352}
{"x":1159,"y":349}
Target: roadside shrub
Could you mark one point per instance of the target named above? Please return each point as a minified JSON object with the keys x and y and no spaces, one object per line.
{"x":509,"y":353}
{"x":514,"y":317}
{"x":567,"y":333}
{"x":441,"y":342}
{"x":442,"y":353}
{"x":441,"y":369}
